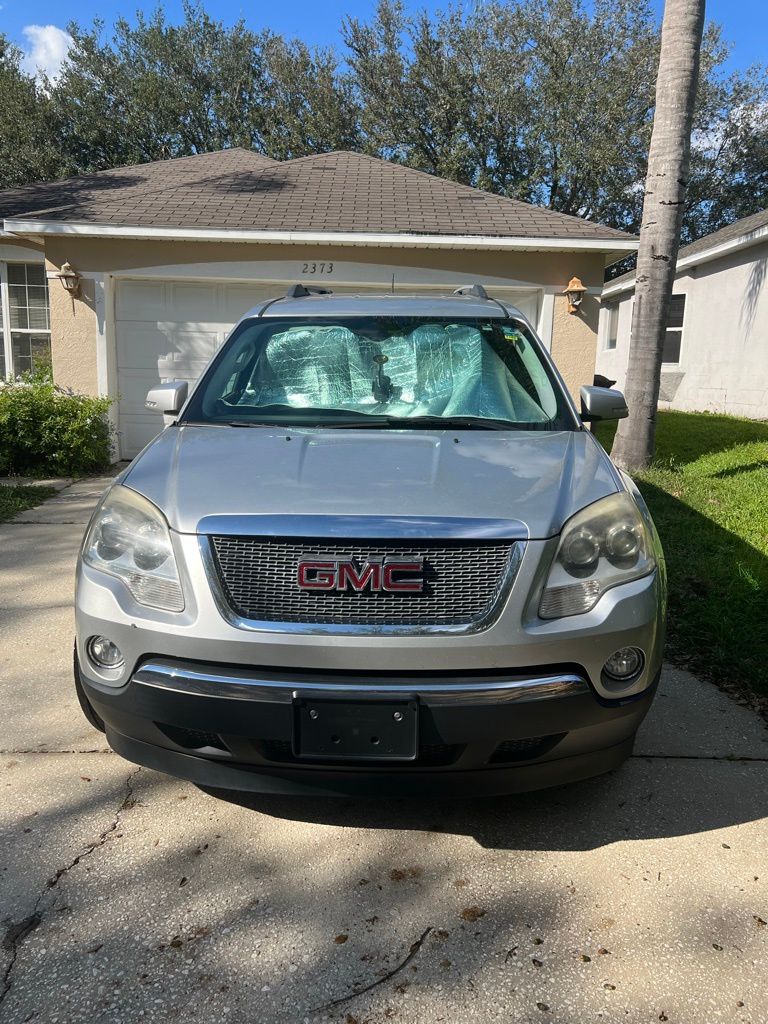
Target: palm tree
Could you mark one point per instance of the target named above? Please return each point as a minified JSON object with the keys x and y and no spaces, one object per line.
{"x":665,"y":190}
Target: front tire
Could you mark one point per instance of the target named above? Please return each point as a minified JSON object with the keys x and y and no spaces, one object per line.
{"x":86,"y":706}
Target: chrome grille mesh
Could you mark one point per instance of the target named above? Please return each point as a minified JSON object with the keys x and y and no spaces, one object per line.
{"x":463,"y":581}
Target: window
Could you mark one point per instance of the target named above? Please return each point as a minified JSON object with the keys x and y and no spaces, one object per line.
{"x":387,"y":372}
{"x":674,"y":333}
{"x":612,"y":324}
{"x":25,"y":326}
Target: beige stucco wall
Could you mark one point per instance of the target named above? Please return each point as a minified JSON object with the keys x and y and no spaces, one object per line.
{"x":574,"y":337}
{"x":74,"y":330}
{"x":18,"y":248}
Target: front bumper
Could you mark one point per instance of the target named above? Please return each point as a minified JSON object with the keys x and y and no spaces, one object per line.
{"x":231,"y":727}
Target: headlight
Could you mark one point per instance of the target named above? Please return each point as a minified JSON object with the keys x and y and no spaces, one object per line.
{"x":129,"y":538}
{"x":600,"y":547}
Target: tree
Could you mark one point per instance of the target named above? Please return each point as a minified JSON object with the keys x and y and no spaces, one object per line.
{"x":26,"y":153}
{"x":665,"y":191}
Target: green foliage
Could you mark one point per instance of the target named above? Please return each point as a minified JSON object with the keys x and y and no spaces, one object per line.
{"x":26,"y":152}
{"x":15,"y":499}
{"x":45,"y":430}
{"x":708,"y":492}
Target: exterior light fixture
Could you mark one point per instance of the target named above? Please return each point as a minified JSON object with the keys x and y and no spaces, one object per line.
{"x":574,"y":293}
{"x":70,"y":278}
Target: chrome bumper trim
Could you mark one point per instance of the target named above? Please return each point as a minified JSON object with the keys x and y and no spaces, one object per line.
{"x":364,"y":527}
{"x":239,"y":684}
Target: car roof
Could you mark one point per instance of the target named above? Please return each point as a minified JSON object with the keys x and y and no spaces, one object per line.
{"x":385,"y":304}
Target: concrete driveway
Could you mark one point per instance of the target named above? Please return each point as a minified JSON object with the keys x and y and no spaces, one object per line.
{"x":127,"y":896}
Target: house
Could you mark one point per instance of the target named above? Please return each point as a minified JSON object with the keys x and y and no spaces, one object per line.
{"x":716,"y":344}
{"x":170,"y":254}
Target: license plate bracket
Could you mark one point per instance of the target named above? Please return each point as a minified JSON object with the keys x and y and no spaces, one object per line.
{"x":364,"y":730}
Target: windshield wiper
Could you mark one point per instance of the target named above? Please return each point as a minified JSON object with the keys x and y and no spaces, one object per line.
{"x":439,"y":422}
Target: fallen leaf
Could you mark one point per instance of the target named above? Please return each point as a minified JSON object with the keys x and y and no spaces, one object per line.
{"x":341,"y":939}
{"x":183,"y":881}
{"x":510,"y":953}
{"x":760,"y":921}
{"x":461,"y":883}
{"x":725,"y":846}
{"x":397,"y":875}
{"x":445,"y":963}
{"x":717,"y":947}
{"x":472,"y":913}
{"x":85,"y":778}
{"x":349,"y":1019}
{"x":602,"y":951}
{"x":441,"y":933}
{"x":176,"y":942}
{"x":371,"y":920}
{"x":543,"y":1007}
{"x":537,"y":963}
{"x":609,"y":986}
{"x":663,"y":1016}
{"x":586,"y":959}
{"x":538,"y":942}
{"x":96,"y":948}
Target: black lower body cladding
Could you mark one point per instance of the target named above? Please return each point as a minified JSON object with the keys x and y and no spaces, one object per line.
{"x":215,"y":736}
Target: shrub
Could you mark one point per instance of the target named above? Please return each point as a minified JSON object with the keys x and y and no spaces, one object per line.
{"x":45,"y":429}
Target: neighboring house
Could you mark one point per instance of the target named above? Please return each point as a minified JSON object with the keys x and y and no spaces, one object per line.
{"x":716,"y":345}
{"x":171,"y":254}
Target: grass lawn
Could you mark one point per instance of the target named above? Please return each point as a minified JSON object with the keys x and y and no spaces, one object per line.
{"x":708,"y":493}
{"x":16,"y":499}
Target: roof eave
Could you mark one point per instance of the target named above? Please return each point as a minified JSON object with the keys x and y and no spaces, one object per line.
{"x":696,"y":259}
{"x":611,"y":247}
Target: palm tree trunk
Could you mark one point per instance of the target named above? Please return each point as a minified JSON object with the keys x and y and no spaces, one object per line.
{"x":665,"y":191}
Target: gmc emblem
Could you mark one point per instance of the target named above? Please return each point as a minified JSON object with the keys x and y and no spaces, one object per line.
{"x":394,"y":577}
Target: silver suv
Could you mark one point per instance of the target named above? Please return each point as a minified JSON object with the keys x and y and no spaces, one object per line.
{"x":375,"y":550}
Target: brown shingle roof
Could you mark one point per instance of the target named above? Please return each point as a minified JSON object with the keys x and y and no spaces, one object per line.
{"x":739,"y":228}
{"x":330,"y":192}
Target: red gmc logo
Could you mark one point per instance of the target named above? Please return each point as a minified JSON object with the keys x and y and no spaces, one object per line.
{"x":402,"y":577}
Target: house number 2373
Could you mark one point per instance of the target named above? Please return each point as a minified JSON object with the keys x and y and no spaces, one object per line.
{"x":317,"y":268}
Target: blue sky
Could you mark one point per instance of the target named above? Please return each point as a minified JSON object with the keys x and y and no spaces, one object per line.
{"x":29,"y":23}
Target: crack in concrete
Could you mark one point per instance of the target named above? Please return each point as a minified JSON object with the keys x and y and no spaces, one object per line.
{"x":92,"y":750}
{"x":729,"y":758}
{"x":18,"y":932}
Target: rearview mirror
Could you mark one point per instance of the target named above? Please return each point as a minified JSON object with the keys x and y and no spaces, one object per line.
{"x":602,"y":404}
{"x":168,"y":399}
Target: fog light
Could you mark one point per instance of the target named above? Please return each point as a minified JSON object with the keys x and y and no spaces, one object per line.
{"x":104,"y":653}
{"x":624,"y":663}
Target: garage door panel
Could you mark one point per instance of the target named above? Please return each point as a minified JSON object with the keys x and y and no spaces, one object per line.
{"x":237,"y":299}
{"x":140,"y":300}
{"x":199,"y":302}
{"x":167,"y":347}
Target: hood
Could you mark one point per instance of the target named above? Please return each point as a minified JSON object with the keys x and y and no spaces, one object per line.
{"x":538,"y":478}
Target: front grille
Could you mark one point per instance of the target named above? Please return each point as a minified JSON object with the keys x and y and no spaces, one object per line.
{"x":430,"y":755}
{"x":463,"y":581}
{"x":191,"y":739}
{"x":524,"y":749}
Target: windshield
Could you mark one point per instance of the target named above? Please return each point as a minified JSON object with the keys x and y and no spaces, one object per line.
{"x":381,"y":371}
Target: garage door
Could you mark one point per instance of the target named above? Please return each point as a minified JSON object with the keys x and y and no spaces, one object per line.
{"x":168,"y":330}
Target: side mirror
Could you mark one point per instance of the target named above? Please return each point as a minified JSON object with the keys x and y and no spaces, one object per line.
{"x":168,"y":399}
{"x":602,"y":404}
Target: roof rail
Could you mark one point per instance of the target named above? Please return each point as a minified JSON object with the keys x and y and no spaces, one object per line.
{"x":472,"y":289}
{"x":300,"y":291}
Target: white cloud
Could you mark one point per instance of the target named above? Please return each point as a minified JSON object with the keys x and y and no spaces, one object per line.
{"x":46,"y":49}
